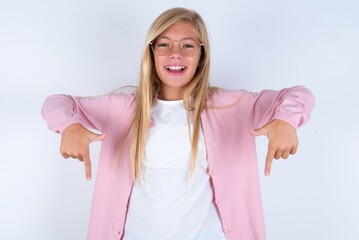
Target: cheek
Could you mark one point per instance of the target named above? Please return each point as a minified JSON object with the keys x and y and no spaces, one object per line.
{"x":195,"y":63}
{"x":158,"y":61}
{"x":157,"y":67}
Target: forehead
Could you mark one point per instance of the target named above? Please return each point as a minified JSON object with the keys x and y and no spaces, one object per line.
{"x":180,"y":30}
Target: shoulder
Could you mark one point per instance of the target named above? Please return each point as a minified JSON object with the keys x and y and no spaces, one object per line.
{"x":123,"y":97}
{"x":118,"y":97}
{"x":113,"y":103}
{"x":222,"y":97}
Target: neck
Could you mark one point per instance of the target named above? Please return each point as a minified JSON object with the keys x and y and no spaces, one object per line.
{"x":171,"y":94}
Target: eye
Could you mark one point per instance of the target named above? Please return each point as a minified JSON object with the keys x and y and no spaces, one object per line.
{"x":163,"y":44}
{"x":187,"y":46}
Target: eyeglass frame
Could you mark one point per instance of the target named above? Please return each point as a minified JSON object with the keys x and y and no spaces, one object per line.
{"x":172,"y":45}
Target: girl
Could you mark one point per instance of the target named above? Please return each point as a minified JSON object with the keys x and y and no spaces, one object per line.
{"x":178,"y":157}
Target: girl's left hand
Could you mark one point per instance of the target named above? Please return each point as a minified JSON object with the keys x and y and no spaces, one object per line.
{"x":282,"y":141}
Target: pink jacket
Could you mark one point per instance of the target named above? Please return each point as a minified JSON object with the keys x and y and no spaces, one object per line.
{"x":231,"y":152}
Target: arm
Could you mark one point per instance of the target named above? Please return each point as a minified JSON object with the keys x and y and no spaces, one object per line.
{"x":60,"y":111}
{"x":277,"y":114}
{"x":68,"y":115}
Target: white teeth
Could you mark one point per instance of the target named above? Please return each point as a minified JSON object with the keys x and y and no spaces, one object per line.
{"x":175,"y":68}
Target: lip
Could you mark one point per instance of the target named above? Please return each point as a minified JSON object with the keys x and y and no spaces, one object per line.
{"x":174,"y":67}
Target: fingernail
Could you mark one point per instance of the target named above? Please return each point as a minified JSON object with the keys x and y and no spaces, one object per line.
{"x":267,"y":174}
{"x":88,"y":178}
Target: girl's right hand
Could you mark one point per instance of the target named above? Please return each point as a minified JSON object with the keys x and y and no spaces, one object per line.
{"x":75,"y":143}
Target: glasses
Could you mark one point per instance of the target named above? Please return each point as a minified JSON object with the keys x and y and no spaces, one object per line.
{"x":164,"y":46}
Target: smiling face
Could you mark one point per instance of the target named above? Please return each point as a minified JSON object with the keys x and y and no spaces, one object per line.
{"x":177,"y":68}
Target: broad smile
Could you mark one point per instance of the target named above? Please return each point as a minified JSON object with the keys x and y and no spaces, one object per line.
{"x":175,"y":69}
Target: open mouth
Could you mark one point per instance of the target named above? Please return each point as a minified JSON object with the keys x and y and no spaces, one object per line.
{"x":175,"y":69}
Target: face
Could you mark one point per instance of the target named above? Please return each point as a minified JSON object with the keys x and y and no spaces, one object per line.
{"x":176,"y":68}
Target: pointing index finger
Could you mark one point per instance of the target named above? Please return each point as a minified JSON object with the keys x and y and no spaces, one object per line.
{"x":87,"y":164}
{"x":269,"y":160}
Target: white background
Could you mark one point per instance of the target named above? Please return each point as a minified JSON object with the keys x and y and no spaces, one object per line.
{"x":83,"y":47}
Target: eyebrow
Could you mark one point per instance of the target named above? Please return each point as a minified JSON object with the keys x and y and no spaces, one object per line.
{"x":186,"y":38}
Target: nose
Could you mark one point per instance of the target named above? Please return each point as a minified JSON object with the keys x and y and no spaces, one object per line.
{"x":176,"y":50}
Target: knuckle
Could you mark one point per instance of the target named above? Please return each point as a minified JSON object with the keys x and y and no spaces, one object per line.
{"x":64,"y":154}
{"x":281,"y":148}
{"x":72,"y":154}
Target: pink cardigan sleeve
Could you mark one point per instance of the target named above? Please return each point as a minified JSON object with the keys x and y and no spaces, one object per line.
{"x":96,"y":113}
{"x":293,"y":105}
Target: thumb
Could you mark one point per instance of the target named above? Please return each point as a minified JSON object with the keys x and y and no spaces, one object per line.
{"x":97,"y":137}
{"x":258,"y":132}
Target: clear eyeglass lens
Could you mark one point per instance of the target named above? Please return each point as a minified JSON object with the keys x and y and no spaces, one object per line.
{"x":164,"y":46}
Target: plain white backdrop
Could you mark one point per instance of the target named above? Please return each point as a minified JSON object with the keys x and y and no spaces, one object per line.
{"x":84,"y":47}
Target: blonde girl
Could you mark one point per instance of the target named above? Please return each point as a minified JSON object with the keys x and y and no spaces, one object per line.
{"x":178,"y":157}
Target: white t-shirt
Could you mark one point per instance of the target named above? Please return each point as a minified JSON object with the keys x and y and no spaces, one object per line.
{"x":166,"y":206}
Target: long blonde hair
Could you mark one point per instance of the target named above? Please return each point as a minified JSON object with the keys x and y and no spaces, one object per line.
{"x":149,"y":86}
